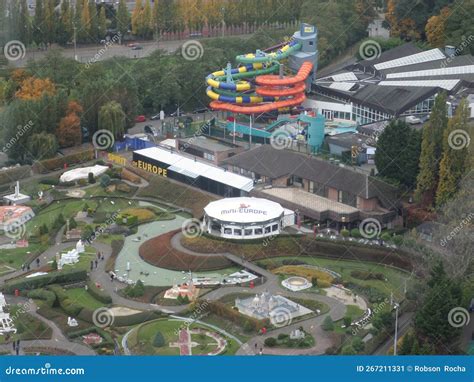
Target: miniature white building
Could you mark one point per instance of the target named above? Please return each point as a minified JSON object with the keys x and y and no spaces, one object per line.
{"x":17,"y":197}
{"x":72,"y":256}
{"x":6,"y":322}
{"x":265,"y":306}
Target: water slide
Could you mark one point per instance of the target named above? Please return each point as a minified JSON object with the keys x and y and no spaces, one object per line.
{"x":233,"y":89}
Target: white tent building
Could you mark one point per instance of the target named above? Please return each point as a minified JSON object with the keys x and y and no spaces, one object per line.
{"x":246,"y":218}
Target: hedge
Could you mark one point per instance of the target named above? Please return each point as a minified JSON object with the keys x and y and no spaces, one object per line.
{"x":58,"y":163}
{"x":98,"y":294}
{"x":62,"y":277}
{"x":14,"y":174}
{"x":47,"y":296}
{"x":66,"y":304}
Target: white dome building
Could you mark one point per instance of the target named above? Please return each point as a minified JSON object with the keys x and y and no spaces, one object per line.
{"x":246,"y":218}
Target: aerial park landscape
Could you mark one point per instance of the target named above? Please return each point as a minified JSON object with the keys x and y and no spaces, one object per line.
{"x":221,"y":178}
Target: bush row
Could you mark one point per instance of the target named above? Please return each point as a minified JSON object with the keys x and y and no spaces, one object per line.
{"x":58,"y":163}
{"x":63,"y":277}
{"x":47,"y":296}
{"x":66,"y":304}
{"x":14,"y":174}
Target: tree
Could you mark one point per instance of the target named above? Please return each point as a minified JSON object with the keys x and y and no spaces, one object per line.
{"x":453,"y":161}
{"x":33,"y":88}
{"x":24,"y":23}
{"x":112,"y":118}
{"x":91,"y":178}
{"x":431,"y":150}
{"x":104,"y":181}
{"x":102,"y":27}
{"x":398,"y":153}
{"x":69,"y":130}
{"x":39,"y":20}
{"x":42,"y":146}
{"x":328,"y":324}
{"x":50,"y":21}
{"x":65,"y":28}
{"x":435,"y":28}
{"x":137,"y":17}
{"x":123,"y":18}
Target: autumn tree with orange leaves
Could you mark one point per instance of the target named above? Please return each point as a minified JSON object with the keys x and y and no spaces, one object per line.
{"x":33,"y":88}
{"x":69,"y":130}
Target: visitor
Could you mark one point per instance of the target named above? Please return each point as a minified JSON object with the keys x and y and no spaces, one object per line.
{"x":112,"y":277}
{"x":92,"y":265}
{"x":28,"y":267}
{"x":37,"y":262}
{"x":96,"y":262}
{"x":17,"y":351}
{"x":14,"y":345}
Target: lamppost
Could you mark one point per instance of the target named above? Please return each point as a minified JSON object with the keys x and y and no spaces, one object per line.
{"x":395,"y":340}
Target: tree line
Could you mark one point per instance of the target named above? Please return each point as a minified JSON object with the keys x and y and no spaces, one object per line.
{"x":88,"y":22}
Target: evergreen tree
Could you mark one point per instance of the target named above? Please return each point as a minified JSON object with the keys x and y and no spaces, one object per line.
{"x":102,"y":23}
{"x":65,"y":28}
{"x":398,"y":153}
{"x":94,"y":28}
{"x":431,"y":151}
{"x":84,"y":26}
{"x":453,"y":161}
{"x":24,"y":23}
{"x":123,"y":18}
{"x":137,"y":18}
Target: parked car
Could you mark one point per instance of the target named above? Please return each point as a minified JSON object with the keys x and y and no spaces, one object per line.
{"x":140,"y":118}
{"x":412,"y":120}
{"x":137,"y":47}
{"x":148,"y":129}
{"x":132,"y":44}
{"x":201,"y":110}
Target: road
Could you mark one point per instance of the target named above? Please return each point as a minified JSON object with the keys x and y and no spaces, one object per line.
{"x":94,"y":53}
{"x":404,"y":323}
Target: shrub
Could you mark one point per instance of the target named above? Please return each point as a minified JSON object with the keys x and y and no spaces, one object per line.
{"x":159,"y":340}
{"x":49,"y":181}
{"x":282,"y":336}
{"x":91,"y":178}
{"x":104,"y":181}
{"x":98,"y":294}
{"x":345,"y":232}
{"x":328,"y":324}
{"x":47,"y":296}
{"x":355,"y":232}
{"x":386,"y":236}
{"x":397,"y":240}
{"x":58,"y":163}
{"x":270,"y":342}
{"x":63,"y":277}
{"x":72,"y":223}
{"x":136,"y":290}
{"x":367,"y":275}
{"x":82,"y":182}
{"x":347,"y":320}
{"x":67,"y":184}
{"x":293,"y":262}
{"x":14,"y":174}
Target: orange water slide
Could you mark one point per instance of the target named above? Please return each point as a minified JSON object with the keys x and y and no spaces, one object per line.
{"x":276,"y":86}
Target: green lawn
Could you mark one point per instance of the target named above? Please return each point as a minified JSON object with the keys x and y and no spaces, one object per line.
{"x":14,"y":258}
{"x":141,"y":340}
{"x":81,"y":297}
{"x":395,"y":278}
{"x":28,"y":327}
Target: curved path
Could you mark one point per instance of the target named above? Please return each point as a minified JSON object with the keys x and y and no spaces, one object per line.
{"x":271,"y":284}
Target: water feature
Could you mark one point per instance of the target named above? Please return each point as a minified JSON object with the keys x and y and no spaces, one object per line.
{"x":151,"y":275}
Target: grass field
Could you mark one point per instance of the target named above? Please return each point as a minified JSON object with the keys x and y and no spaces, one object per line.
{"x":81,"y":297}
{"x":14,"y":258}
{"x":395,"y":278}
{"x":141,"y":340}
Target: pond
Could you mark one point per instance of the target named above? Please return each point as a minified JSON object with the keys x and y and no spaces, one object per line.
{"x":149,"y":274}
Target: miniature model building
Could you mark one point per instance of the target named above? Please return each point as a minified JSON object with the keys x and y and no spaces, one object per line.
{"x":17,"y":197}
{"x":265,"y":306}
{"x":187,"y":289}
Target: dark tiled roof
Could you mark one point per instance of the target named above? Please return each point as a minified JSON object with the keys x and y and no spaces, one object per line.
{"x":392,"y":54}
{"x":273,"y":163}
